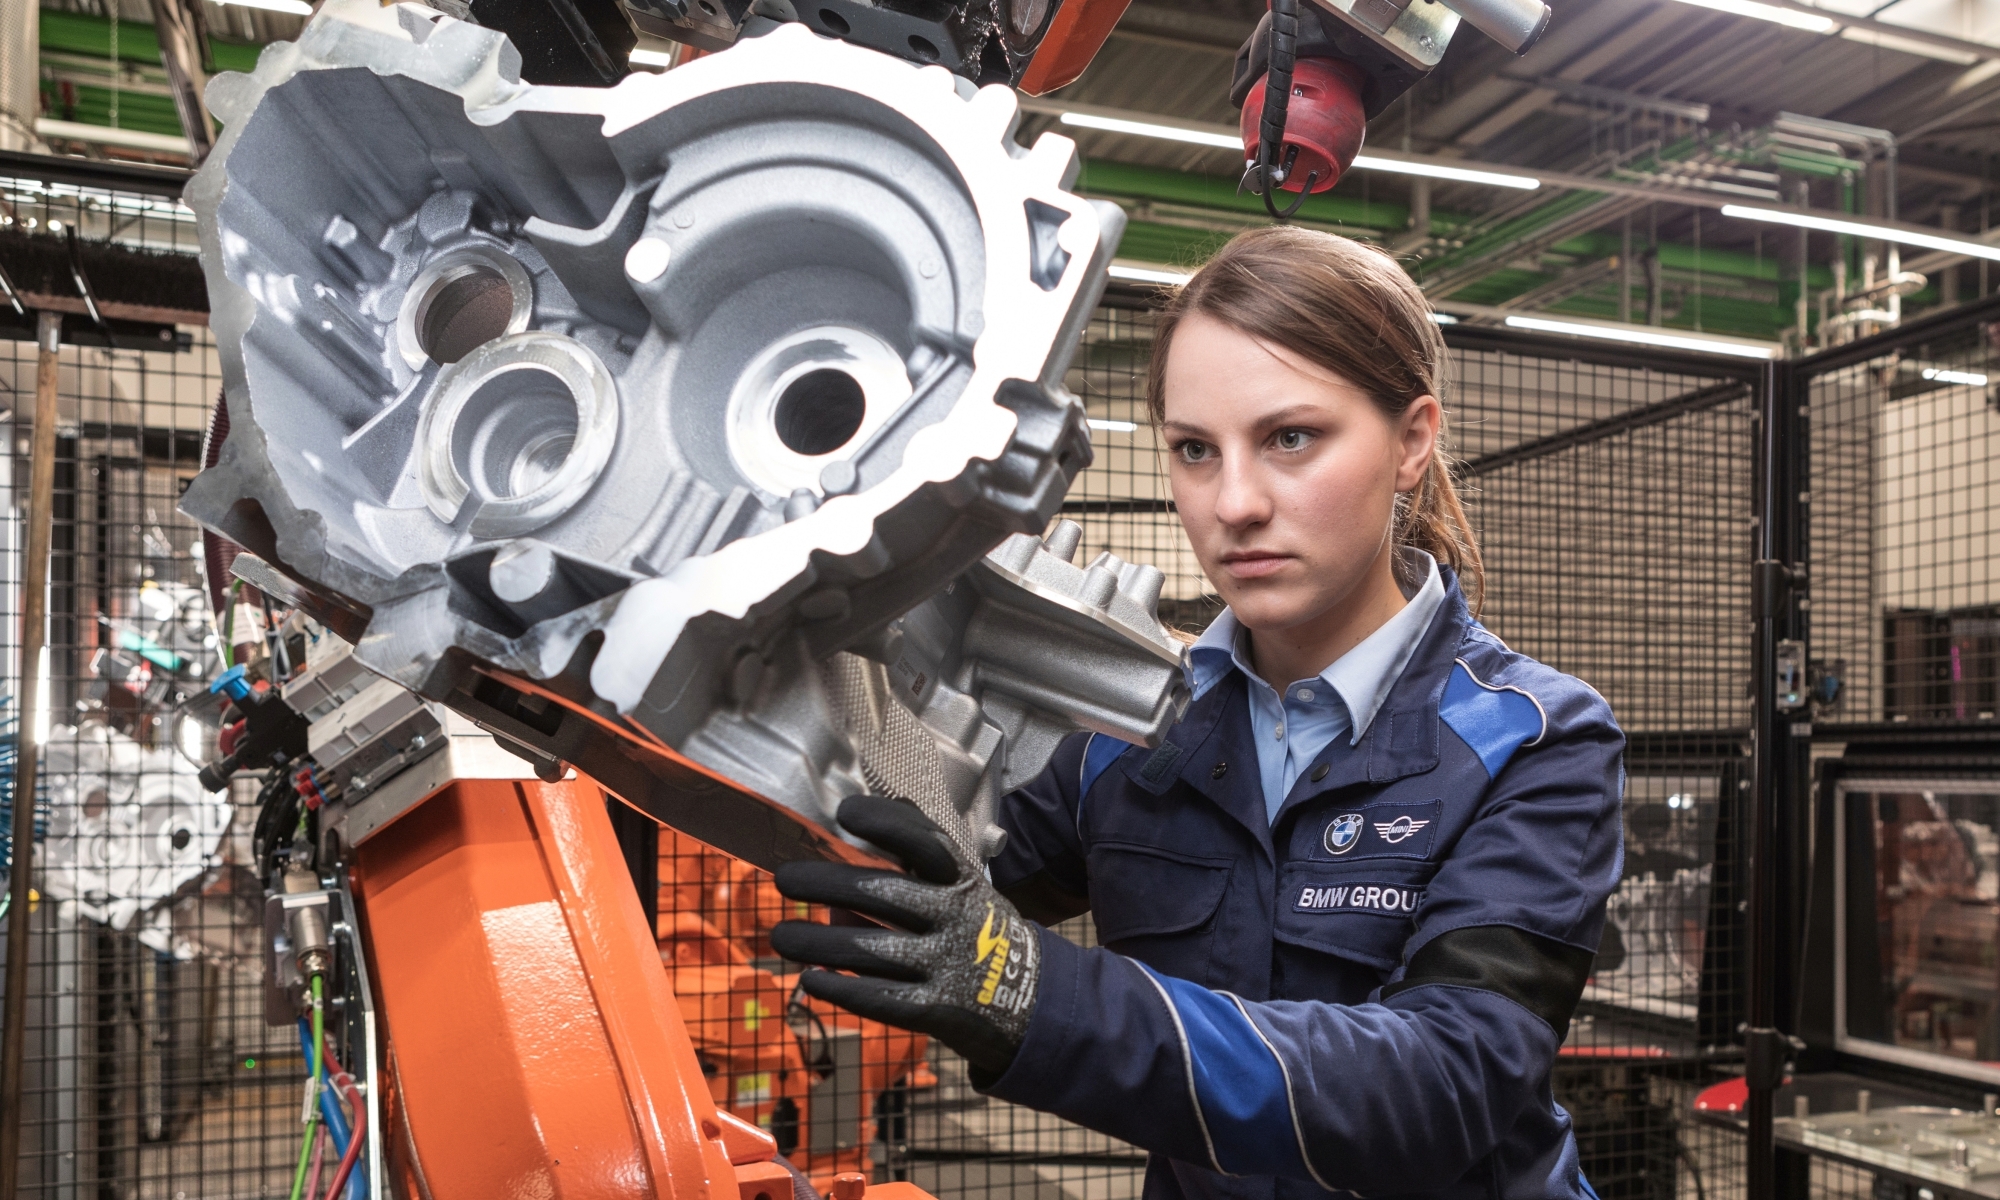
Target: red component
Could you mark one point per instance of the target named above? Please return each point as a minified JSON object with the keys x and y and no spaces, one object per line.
{"x":1324,"y":124}
{"x":1076,"y":33}
{"x":230,"y":735}
{"x":1729,"y":1096}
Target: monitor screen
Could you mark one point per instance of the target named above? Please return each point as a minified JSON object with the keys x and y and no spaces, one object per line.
{"x":1917,"y":936}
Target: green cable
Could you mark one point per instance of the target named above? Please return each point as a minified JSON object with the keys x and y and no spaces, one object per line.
{"x":318,"y":1076}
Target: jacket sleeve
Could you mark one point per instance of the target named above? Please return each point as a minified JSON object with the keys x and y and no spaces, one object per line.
{"x":1404,"y":1093}
{"x":1041,"y":866}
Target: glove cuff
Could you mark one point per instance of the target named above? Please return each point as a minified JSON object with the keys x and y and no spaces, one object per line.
{"x":1049,"y":1023}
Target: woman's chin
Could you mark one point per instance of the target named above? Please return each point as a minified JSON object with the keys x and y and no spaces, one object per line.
{"x":1272,"y":608}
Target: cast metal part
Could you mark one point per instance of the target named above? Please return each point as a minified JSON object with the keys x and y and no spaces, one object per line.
{"x":129,"y":830}
{"x":666,"y":428}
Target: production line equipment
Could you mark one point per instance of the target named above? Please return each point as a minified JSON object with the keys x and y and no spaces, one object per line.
{"x":692,"y":439}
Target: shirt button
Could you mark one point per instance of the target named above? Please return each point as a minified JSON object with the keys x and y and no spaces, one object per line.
{"x":1305,"y":694}
{"x":1278,"y":731}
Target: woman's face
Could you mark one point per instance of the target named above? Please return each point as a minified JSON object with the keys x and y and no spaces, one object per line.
{"x":1285,"y":474}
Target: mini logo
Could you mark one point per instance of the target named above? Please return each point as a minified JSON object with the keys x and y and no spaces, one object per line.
{"x":1343,"y":833}
{"x":1399,"y":830}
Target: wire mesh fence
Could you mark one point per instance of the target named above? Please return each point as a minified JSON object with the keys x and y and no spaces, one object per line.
{"x":150,"y":1071}
{"x":1613,"y":504}
{"x":1904,"y":673}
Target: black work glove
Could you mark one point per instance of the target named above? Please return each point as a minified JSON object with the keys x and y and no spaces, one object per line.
{"x":966,"y":970}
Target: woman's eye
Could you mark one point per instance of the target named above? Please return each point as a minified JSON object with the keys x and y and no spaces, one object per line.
{"x":1194,"y":452}
{"x":1292,"y":439}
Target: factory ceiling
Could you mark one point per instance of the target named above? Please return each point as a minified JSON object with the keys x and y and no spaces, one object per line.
{"x":1683,"y":99}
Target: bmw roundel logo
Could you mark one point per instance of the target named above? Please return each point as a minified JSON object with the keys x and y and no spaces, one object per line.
{"x":1343,"y":833}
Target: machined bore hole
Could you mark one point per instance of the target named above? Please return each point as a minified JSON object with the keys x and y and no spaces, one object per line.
{"x":922,"y":48}
{"x":464,"y":312}
{"x":819,"y":411}
{"x":514,"y":433}
{"x":835,"y":23}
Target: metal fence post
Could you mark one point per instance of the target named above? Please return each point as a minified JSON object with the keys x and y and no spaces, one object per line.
{"x":1777,"y":580}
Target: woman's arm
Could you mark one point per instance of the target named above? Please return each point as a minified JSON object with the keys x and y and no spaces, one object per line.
{"x":1401,"y":1094}
{"x":1041,"y":866}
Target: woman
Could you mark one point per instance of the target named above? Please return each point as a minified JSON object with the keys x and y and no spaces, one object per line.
{"x":1350,"y":902}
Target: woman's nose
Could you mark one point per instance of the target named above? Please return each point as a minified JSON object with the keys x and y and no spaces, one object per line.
{"x":1241,"y":499}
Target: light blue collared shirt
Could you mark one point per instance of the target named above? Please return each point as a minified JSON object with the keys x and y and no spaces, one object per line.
{"x":1291,"y":729}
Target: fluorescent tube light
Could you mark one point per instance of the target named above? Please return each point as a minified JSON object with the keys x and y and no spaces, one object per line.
{"x":1148,"y":275}
{"x":1438,"y":318}
{"x":1889,"y":41}
{"x":1645,"y":337}
{"x":1171,"y":133}
{"x":1223,"y":140}
{"x":1113,"y":426}
{"x":296,"y":8}
{"x":1887,"y":233}
{"x":650,"y":58}
{"x":1972,"y":378}
{"x":1370,"y":162}
{"x":1770,"y":12}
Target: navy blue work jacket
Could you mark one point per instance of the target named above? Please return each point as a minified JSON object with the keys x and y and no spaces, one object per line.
{"x":1234,"y":1024}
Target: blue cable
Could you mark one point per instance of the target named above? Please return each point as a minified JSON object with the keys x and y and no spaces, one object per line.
{"x":336,"y":1121}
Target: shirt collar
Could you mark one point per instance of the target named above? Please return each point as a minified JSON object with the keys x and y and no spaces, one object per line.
{"x":1363,"y":676}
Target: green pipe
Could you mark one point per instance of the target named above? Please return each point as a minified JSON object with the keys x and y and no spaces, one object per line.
{"x":137,"y":111}
{"x":79,"y":33}
{"x":1125,"y":181}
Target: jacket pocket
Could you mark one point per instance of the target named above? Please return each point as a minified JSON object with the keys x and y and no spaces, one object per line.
{"x":1142,"y":891}
{"x":1363,"y":911}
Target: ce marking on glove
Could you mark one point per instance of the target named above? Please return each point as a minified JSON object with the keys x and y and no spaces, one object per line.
{"x":996,"y":950}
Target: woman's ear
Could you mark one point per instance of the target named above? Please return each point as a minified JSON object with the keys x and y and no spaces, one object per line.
{"x":1417,"y":437}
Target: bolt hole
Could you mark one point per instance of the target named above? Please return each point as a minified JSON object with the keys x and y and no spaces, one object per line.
{"x":834,"y":22}
{"x":514,"y":433}
{"x":922,"y":48}
{"x":181,"y":839}
{"x":464,"y":312}
{"x":819,"y":411}
{"x":707,"y":7}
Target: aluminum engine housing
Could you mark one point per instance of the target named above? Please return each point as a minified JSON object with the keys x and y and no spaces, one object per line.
{"x":666,"y":428}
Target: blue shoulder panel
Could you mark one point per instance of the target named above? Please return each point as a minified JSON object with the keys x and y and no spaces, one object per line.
{"x":1244,"y":1097}
{"x":1494,"y":721}
{"x":1098,"y":755}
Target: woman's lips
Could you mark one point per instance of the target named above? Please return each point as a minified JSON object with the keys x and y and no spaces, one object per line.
{"x":1254,"y":566}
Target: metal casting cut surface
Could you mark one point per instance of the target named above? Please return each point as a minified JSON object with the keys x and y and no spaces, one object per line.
{"x":684,"y":412}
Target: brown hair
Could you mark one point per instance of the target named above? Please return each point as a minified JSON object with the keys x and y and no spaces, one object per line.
{"x":1349,"y":309}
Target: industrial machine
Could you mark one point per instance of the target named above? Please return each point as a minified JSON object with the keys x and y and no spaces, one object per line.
{"x":694,"y":440}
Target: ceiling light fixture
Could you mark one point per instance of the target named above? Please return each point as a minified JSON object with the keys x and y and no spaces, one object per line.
{"x":1220,"y":140}
{"x":1770,"y":12}
{"x":1375,"y":162}
{"x":1149,"y":275}
{"x":651,"y":58}
{"x":295,"y":8}
{"x":1646,"y":337}
{"x":1940,"y":375}
{"x":1113,"y":426}
{"x":1865,"y":229}
{"x":1171,"y":133}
